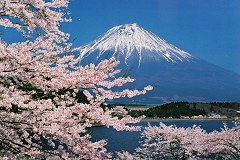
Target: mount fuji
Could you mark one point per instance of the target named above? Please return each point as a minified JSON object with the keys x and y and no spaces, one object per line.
{"x":175,"y":74}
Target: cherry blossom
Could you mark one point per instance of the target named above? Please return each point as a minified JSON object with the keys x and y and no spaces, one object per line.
{"x":41,"y":116}
{"x":171,"y":142}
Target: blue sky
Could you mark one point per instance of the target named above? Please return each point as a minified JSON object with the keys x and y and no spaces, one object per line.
{"x":209,"y":29}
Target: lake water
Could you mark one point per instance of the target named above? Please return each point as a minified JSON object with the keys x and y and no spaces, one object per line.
{"x":128,"y":141}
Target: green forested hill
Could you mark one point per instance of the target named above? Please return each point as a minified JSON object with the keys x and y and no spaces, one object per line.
{"x":179,"y":109}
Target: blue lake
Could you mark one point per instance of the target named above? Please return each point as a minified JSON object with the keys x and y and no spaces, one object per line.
{"x":128,"y":141}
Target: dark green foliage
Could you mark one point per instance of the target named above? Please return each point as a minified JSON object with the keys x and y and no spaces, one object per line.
{"x":179,"y":109}
{"x":174,"y":110}
{"x":81,"y":98}
{"x":14,"y":109}
{"x":211,"y":109}
{"x":135,"y":113}
{"x":224,"y":104}
{"x":107,"y":106}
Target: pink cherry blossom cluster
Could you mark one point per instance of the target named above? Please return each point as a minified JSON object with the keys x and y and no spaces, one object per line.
{"x":39,"y":84}
{"x":171,"y":142}
{"x":33,"y":14}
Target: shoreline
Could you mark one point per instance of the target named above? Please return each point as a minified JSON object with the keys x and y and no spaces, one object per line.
{"x":186,"y":119}
{"x":177,"y":119}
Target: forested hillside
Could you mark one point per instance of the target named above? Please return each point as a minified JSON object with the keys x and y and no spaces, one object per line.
{"x":185,"y":109}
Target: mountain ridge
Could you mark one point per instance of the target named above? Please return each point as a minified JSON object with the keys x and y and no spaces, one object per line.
{"x":178,"y":78}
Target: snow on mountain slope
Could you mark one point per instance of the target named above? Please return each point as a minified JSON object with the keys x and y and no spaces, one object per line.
{"x":130,"y":39}
{"x":175,"y":74}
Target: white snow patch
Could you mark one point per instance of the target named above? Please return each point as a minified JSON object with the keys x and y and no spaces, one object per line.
{"x":125,"y":39}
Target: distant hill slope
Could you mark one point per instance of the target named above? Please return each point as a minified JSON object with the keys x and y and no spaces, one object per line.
{"x":180,"y":109}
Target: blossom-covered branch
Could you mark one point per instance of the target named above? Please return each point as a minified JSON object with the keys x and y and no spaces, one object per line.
{"x":41,"y":115}
{"x":171,"y":142}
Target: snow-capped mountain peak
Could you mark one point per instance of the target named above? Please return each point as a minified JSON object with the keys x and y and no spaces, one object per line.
{"x":131,"y":40}
{"x":175,"y":74}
